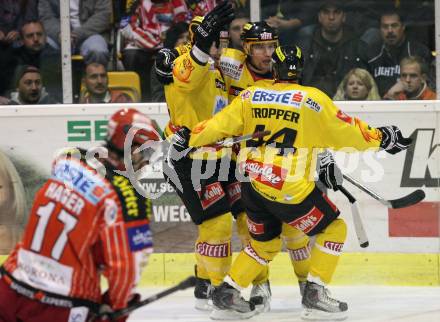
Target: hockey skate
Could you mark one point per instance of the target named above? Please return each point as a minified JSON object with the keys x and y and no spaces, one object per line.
{"x":202,"y":293}
{"x":229,"y":305}
{"x":318,"y":305}
{"x":261,"y":296}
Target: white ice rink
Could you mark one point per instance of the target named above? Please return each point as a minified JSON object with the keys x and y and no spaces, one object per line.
{"x":369,"y":304}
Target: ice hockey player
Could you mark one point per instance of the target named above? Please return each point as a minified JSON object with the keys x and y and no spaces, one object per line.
{"x":283,"y":191}
{"x":86,"y":221}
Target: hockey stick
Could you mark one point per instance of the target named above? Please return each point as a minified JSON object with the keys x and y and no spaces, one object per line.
{"x":357,"y":221}
{"x":406,"y":201}
{"x":229,"y":142}
{"x":189,"y":282}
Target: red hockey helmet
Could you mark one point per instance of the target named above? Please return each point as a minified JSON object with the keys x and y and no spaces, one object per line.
{"x":122,"y":121}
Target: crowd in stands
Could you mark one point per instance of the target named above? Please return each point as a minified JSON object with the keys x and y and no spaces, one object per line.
{"x":353,"y":49}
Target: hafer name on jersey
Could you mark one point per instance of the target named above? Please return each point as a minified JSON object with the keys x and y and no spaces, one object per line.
{"x":70,"y":200}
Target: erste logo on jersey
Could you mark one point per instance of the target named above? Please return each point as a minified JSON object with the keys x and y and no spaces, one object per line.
{"x":83,"y":181}
{"x":289,"y":98}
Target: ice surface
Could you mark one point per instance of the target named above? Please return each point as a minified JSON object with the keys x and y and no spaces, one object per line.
{"x":366,"y":303}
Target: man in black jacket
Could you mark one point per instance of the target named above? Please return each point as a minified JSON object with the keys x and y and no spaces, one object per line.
{"x":332,"y":51}
{"x":383,"y":59}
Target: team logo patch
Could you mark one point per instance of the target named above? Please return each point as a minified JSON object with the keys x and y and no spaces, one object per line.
{"x":288,"y":98}
{"x":139,"y":237}
{"x":209,"y":250}
{"x":267,"y":174}
{"x":211,"y":194}
{"x":367,"y":132}
{"x":255,"y":228}
{"x":183,"y":71}
{"x":309,"y":221}
{"x":234,"y":192}
{"x":245,"y":94}
{"x":220,"y":103}
{"x":110,"y":211}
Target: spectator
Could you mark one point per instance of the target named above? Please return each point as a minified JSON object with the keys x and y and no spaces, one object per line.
{"x":36,"y":52}
{"x":177,"y":35}
{"x":12,"y":15}
{"x":412,"y":83}
{"x":382,"y":60}
{"x":288,"y":18}
{"x":144,"y":36}
{"x":357,"y":85}
{"x":199,"y":7}
{"x":332,"y":51}
{"x":30,"y":88}
{"x":89,"y":23}
{"x":96,"y":83}
{"x":235,"y":30}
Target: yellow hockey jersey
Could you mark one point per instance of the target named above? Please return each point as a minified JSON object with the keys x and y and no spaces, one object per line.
{"x":196,"y":94}
{"x":237,"y":74}
{"x":302,"y":120}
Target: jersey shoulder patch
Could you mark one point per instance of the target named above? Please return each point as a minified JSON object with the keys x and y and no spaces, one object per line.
{"x":232,"y":67}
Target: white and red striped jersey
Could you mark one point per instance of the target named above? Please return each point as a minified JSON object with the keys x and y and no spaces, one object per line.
{"x":83,"y":225}
{"x":150,"y":21}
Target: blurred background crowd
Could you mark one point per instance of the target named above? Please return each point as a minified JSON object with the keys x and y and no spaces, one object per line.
{"x":353,"y":49}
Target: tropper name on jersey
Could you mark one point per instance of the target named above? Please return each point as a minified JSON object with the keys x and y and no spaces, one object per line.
{"x":289,"y":98}
{"x":266,"y":112}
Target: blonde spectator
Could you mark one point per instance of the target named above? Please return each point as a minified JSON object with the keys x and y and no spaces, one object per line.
{"x":12,"y":205}
{"x":357,"y":84}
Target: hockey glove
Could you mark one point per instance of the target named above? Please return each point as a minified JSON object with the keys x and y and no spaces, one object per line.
{"x":328,"y":171}
{"x":163,"y":65}
{"x":212,"y":23}
{"x":179,"y":149}
{"x":393,"y":140}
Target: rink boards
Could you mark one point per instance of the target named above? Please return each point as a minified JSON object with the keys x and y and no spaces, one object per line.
{"x":404,"y":244}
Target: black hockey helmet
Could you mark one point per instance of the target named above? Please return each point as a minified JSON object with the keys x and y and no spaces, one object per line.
{"x":257,"y":32}
{"x":288,"y":62}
